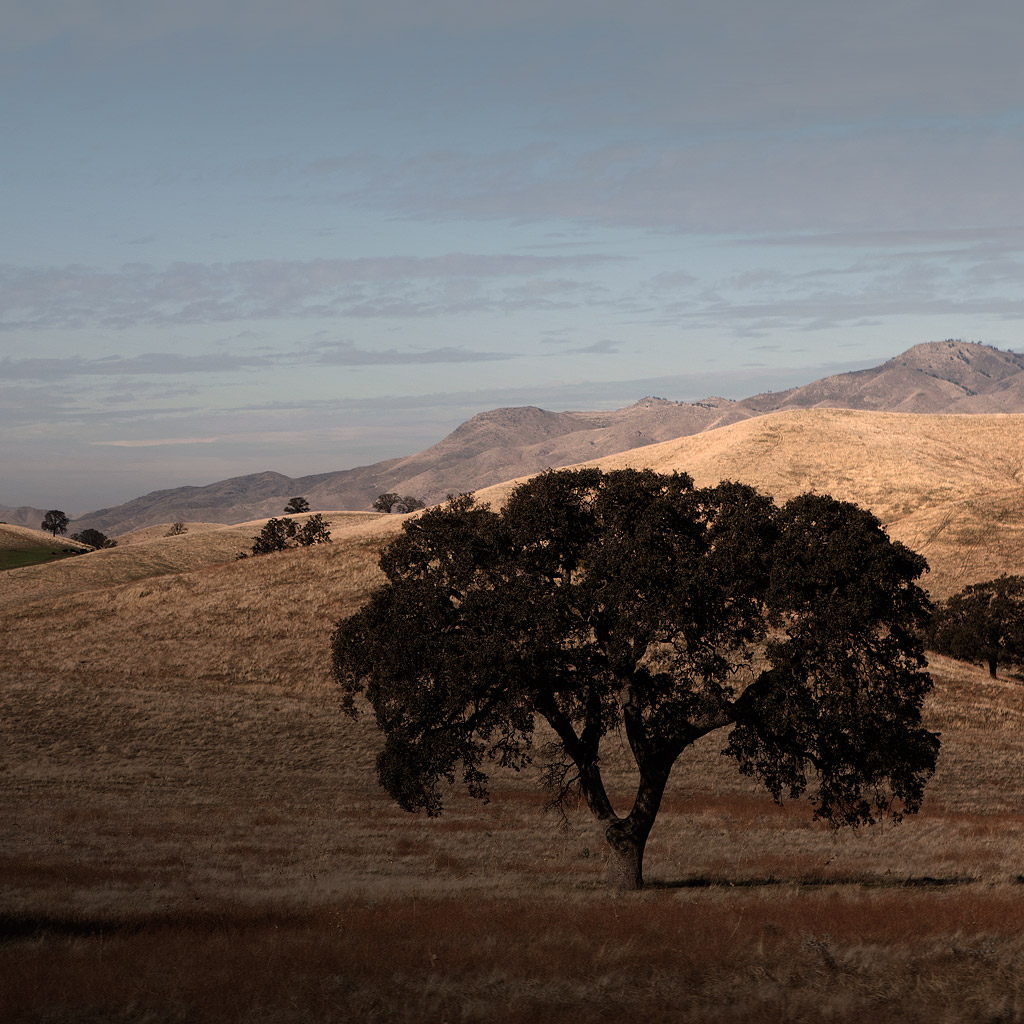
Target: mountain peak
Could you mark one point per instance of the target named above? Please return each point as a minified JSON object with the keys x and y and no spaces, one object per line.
{"x":960,"y":361}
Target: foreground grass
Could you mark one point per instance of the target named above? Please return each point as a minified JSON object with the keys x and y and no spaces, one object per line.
{"x":222,"y":854}
{"x":778,"y":954}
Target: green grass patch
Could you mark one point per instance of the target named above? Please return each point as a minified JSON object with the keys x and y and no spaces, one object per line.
{"x":34,"y":556}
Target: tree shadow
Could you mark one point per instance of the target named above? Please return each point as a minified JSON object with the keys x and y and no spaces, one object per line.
{"x":769,"y":881}
{"x":15,"y":926}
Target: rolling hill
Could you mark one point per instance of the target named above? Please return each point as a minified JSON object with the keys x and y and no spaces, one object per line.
{"x":937,"y":377}
{"x":951,"y":487}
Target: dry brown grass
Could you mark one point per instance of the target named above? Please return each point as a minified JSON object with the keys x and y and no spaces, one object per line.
{"x":726,"y":956}
{"x":222,"y":854}
{"x":192,"y":832}
{"x":161,"y":530}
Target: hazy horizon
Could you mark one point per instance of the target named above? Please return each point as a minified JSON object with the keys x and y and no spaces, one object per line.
{"x":308,"y":237}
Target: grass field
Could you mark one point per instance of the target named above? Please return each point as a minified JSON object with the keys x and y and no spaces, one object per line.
{"x":192,"y":831}
{"x":220,"y":852}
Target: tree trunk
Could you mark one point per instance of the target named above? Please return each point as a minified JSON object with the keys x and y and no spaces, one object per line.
{"x":992,"y":666}
{"x":626,"y":858}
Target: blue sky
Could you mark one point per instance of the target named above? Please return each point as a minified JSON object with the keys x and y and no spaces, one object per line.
{"x":308,"y":236}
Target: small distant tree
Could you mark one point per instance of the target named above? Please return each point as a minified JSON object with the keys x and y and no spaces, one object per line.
{"x":387,"y":501}
{"x":281,"y":534}
{"x":983,"y":623}
{"x":631,"y":605}
{"x":176,"y":530}
{"x":409,"y":504}
{"x":297,"y":506}
{"x":94,"y":539}
{"x":55,"y":522}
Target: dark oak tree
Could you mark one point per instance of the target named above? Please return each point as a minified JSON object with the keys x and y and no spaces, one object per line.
{"x":633,"y":603}
{"x":392,"y":502}
{"x":55,"y":522}
{"x":94,"y":538}
{"x":296,"y":506}
{"x":409,"y":503}
{"x":983,"y":623}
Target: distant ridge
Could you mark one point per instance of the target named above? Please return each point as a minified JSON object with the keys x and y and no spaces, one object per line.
{"x":501,"y":444}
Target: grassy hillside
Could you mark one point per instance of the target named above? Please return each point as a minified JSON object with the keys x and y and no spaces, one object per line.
{"x":951,"y":487}
{"x":193,"y":831}
{"x":22,"y":546}
{"x":149,"y":554}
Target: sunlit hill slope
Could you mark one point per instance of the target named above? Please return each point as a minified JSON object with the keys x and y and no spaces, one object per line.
{"x":951,"y":487}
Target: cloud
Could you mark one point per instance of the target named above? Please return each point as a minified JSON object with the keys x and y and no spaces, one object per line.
{"x":189,"y":293}
{"x":865,"y":179}
{"x":150,"y":363}
{"x":708,"y":59}
{"x":340,"y":353}
{"x":156,"y":442}
{"x":599,"y":348}
{"x":347,"y":354}
{"x":943,"y":239}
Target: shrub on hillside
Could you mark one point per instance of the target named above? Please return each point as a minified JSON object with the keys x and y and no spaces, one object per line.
{"x":281,"y":534}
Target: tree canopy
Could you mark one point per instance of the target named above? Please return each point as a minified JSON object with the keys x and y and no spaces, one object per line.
{"x":983,"y":623}
{"x":281,"y":534}
{"x":392,"y":502}
{"x":296,"y":506}
{"x":55,"y":522}
{"x":94,"y":538}
{"x":635,"y":603}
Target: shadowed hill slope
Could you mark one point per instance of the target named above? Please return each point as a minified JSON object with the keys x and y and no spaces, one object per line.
{"x":947,"y":377}
{"x":17,"y":538}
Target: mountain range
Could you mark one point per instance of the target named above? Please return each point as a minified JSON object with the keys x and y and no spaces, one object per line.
{"x":953,"y":377}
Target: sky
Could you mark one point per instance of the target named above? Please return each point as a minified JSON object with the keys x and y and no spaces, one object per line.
{"x":306,"y":236}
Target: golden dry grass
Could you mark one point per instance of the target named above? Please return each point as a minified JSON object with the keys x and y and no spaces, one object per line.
{"x":192,"y":832}
{"x":22,"y":538}
{"x":160,"y":530}
{"x":951,"y":487}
